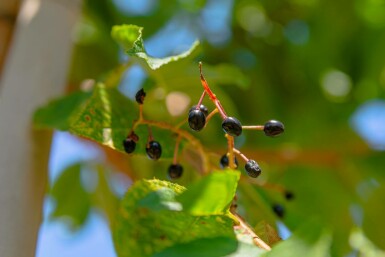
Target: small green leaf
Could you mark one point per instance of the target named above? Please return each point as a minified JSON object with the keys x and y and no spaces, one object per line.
{"x":146,"y":226}
{"x":130,"y":38}
{"x":203,"y":247}
{"x":57,"y":113}
{"x":212,"y":194}
{"x":161,"y":199}
{"x":72,"y":201}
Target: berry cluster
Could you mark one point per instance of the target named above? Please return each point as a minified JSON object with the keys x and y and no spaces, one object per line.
{"x":153,"y":147}
{"x":198,"y":117}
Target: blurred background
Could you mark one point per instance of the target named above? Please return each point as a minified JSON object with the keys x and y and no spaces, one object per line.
{"x":317,"y":66}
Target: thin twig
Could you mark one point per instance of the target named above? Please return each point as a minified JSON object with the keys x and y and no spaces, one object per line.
{"x":256,"y":239}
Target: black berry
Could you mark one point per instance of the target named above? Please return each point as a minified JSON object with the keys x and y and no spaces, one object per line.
{"x":175,"y":171}
{"x":202,"y":108}
{"x":196,"y":120}
{"x":129,"y":145}
{"x":289,"y":195}
{"x":279,"y":210}
{"x":273,"y":128}
{"x":252,"y":168}
{"x":224,"y":162}
{"x":232,"y":126}
{"x":154,"y":150}
{"x":140,"y":95}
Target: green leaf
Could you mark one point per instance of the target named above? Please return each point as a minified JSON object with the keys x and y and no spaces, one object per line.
{"x":72,"y":201}
{"x":143,"y":230}
{"x":203,"y":247}
{"x":312,"y":239}
{"x":57,"y":113}
{"x":161,"y":199}
{"x":130,"y":38}
{"x":105,"y":116}
{"x":212,"y":194}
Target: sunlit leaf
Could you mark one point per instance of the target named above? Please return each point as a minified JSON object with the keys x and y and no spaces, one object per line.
{"x":146,"y":214}
{"x":130,"y":38}
{"x":211,"y":195}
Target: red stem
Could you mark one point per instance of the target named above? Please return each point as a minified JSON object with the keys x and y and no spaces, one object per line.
{"x":212,"y":96}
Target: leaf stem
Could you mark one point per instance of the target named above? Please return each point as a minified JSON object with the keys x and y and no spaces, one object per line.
{"x":256,"y":239}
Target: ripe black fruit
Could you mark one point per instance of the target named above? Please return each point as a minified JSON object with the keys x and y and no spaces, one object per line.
{"x":129,"y":145}
{"x":289,"y":195}
{"x":154,"y":150}
{"x":273,"y":128}
{"x":232,"y":126}
{"x":279,"y":210}
{"x":196,"y":120}
{"x":224,"y":162}
{"x":252,"y":168}
{"x":140,"y":95}
{"x":175,"y":171}
{"x":202,"y":108}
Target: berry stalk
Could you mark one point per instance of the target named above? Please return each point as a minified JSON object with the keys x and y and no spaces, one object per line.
{"x":182,"y":133}
{"x":230,"y":148}
{"x":215,"y":111}
{"x":240,"y":154}
{"x":257,"y":127}
{"x":175,"y":159}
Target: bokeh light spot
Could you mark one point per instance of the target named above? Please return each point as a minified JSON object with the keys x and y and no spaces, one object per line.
{"x":177,"y":103}
{"x":252,"y":18}
{"x":297,"y":32}
{"x":336,"y":85}
{"x":369,"y":122}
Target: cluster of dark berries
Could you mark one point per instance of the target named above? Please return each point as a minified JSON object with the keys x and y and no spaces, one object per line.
{"x":198,"y":117}
{"x":153,"y":148}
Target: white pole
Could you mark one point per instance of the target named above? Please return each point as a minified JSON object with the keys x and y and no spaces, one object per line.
{"x":34,"y":72}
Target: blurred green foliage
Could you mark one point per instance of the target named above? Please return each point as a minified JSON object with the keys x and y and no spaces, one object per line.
{"x":280,"y":60}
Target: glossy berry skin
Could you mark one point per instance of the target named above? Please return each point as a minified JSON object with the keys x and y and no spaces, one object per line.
{"x":175,"y":171}
{"x":279,"y":210}
{"x":273,"y":128}
{"x":140,"y":95}
{"x":154,"y":150}
{"x":129,"y":145}
{"x":196,"y":120}
{"x":289,"y":195}
{"x":224,"y":162}
{"x":232,"y":126}
{"x":252,"y":168}
{"x":202,"y":108}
